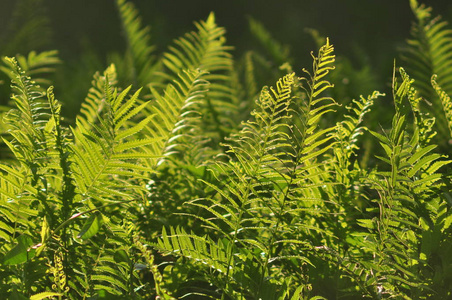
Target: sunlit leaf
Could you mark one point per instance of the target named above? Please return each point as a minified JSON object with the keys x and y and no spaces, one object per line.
{"x":45,"y":295}
{"x":91,"y":226}
{"x":21,"y":252}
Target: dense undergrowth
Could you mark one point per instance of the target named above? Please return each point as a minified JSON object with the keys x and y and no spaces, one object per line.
{"x":182,"y":178}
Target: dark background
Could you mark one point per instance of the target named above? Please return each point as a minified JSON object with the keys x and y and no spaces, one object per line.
{"x":373,"y":26}
{"x":367,"y":32}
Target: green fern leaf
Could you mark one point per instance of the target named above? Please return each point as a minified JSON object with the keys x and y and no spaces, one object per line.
{"x":279,"y":53}
{"x":206,"y":50}
{"x":138,"y":61}
{"x":26,"y":121}
{"x":30,"y":28}
{"x":445,"y":101}
{"x":108,"y":151}
{"x":45,"y":295}
{"x":196,"y":248}
{"x":94,"y":102}
{"x":428,"y":53}
{"x":175,"y":112}
{"x":407,"y":192}
{"x":36,"y":65}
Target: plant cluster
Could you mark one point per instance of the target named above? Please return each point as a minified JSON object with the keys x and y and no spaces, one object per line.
{"x":181,"y":178}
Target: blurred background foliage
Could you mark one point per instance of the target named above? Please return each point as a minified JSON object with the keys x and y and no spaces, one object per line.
{"x":87,"y":34}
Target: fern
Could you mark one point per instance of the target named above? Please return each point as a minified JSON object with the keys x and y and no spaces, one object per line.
{"x":29,"y":131}
{"x":206,"y":50}
{"x":346,"y":199}
{"x":280,"y":54}
{"x":237,"y":209}
{"x":95,"y":101}
{"x":445,"y":101}
{"x":29,"y":28}
{"x":256,"y":203}
{"x":176,"y":111}
{"x":405,"y":194}
{"x":30,"y":110}
{"x":106,"y":151}
{"x":15,"y":210}
{"x":428,"y":54}
{"x":149,"y":258}
{"x":58,"y":173}
{"x":138,"y":64}
{"x":36,"y":65}
{"x":28,"y":192}
{"x":277,"y":198}
{"x":110,"y":166}
{"x":348,"y":131}
{"x":195,"y":108}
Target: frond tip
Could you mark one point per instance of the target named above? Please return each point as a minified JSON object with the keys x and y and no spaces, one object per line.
{"x":139,"y":61}
{"x":29,"y":118}
{"x":445,"y":101}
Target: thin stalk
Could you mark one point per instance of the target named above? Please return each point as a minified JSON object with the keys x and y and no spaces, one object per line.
{"x":256,"y":167}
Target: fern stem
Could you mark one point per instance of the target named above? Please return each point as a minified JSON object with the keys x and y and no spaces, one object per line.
{"x":131,"y":268}
{"x":216,"y":119}
{"x":256,"y":166}
{"x":231,"y":248}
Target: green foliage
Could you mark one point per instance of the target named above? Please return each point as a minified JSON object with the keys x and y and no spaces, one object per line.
{"x":445,"y":101}
{"x":195,"y":185}
{"x":280,"y":54}
{"x":403,"y":201}
{"x":428,"y":53}
{"x":35,"y":64}
{"x":64,"y":175}
{"x":137,"y":65}
{"x":29,"y":29}
{"x":205,"y":50}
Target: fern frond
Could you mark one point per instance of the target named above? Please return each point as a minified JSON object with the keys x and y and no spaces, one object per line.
{"x":206,"y":50}
{"x":15,"y":211}
{"x":29,"y":29}
{"x":259,"y":137}
{"x":196,"y":248}
{"x":95,"y":100}
{"x":28,"y":120}
{"x":405,"y":194}
{"x":109,"y":151}
{"x":313,"y":142}
{"x":61,"y":146}
{"x":347,"y":135}
{"x":257,"y":151}
{"x":176,"y":113}
{"x":32,"y":143}
{"x":109,"y":263}
{"x":445,"y":101}
{"x":429,"y":53}
{"x":316,"y":102}
{"x":35,"y":64}
{"x":203,"y":49}
{"x":138,"y":58}
{"x":265,"y":133}
{"x":31,"y":187}
{"x":270,"y":176}
{"x":423,"y":123}
{"x":278,"y":52}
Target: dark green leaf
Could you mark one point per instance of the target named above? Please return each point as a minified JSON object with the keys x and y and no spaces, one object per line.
{"x":21,"y":252}
{"x":17,"y":296}
{"x":121,"y":256}
{"x":91,"y":226}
